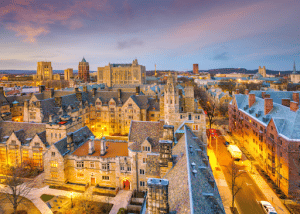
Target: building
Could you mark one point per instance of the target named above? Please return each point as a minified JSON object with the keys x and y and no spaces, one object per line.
{"x":295,"y":76}
{"x":68,"y":74}
{"x":44,"y":71}
{"x":195,"y":68}
{"x":262,"y":71}
{"x":122,"y":74}
{"x":84,"y":70}
{"x":267,"y":123}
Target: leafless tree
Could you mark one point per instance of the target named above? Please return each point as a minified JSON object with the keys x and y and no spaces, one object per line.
{"x":16,"y":187}
{"x":210,"y":112}
{"x":235,"y":172}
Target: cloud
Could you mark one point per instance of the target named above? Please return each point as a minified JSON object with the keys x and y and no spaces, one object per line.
{"x":30,"y":33}
{"x":129,"y":44}
{"x":221,"y":56}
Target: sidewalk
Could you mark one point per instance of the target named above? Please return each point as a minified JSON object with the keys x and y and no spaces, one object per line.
{"x":264,"y":187}
{"x":223,"y":188}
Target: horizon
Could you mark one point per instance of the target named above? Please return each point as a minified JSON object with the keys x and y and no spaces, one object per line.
{"x":172,"y":34}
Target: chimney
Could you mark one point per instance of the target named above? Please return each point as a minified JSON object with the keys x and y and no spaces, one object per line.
{"x":268,"y":105}
{"x":41,"y":88}
{"x":263,"y":94}
{"x":91,"y":145}
{"x":79,"y":95}
{"x":157,"y":194}
{"x":58,"y":101}
{"x":94,"y":91}
{"x":50,"y":118}
{"x":267,"y":96}
{"x":246,"y":91}
{"x":51,"y":92}
{"x":237,"y":91}
{"x":119,"y":94}
{"x":1,"y":90}
{"x":294,"y":106}
{"x":251,"y":99}
{"x":84,"y":88}
{"x":168,"y":133}
{"x":76,"y":90}
{"x":296,"y":97}
{"x":103,"y":146}
{"x":285,"y":102}
{"x":70,"y":143}
{"x":137,"y":90}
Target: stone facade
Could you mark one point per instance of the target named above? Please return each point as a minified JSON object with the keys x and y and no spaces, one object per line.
{"x":122,"y":74}
{"x":68,"y":74}
{"x":44,"y":71}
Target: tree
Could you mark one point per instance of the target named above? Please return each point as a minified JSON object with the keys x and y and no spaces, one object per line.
{"x":210,"y":112}
{"x":227,"y":85}
{"x":17,"y":188}
{"x":235,"y":172}
{"x":223,"y":109}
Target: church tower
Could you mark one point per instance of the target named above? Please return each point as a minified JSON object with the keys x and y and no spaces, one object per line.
{"x":171,"y":97}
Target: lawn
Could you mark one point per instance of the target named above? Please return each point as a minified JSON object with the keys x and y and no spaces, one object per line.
{"x":26,"y":207}
{"x":46,"y":198}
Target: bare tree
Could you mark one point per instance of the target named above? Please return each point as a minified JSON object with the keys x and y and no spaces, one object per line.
{"x":210,"y":112}
{"x":227,"y":85}
{"x":17,"y":188}
{"x":235,"y":172}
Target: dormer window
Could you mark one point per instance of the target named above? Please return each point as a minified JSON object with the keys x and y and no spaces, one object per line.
{"x":130,"y":105}
{"x":146,"y":148}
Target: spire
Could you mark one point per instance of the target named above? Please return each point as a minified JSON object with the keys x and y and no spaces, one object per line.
{"x":294,"y":69}
{"x":155,"y":71}
{"x":83,"y":60}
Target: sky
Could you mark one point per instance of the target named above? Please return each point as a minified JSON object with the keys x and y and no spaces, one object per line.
{"x":173,"y":34}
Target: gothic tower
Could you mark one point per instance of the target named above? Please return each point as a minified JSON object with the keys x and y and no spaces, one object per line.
{"x":84,"y":70}
{"x":171,"y":97}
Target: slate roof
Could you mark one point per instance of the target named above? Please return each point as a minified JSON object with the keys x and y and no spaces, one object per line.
{"x":152,"y":166}
{"x":22,"y":130}
{"x":277,"y":96}
{"x":189,"y":192}
{"x":142,"y":130}
{"x":287,"y":122}
{"x":79,"y":137}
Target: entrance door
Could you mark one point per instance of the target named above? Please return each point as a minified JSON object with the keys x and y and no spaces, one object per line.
{"x":93,"y":181}
{"x":126,"y":185}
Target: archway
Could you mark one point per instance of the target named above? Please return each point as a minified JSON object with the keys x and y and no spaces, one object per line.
{"x":126,"y":184}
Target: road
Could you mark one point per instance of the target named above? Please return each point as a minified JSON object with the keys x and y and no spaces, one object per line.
{"x":249,"y":194}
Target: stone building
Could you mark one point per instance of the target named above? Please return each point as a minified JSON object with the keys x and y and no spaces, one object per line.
{"x":295,"y":76}
{"x":123,"y":74}
{"x":44,"y":71}
{"x":262,"y":71}
{"x":68,"y":74}
{"x":268,"y":126}
{"x":84,"y":70}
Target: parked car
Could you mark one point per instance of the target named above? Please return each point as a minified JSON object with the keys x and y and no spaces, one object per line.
{"x":267,"y":207}
{"x":226,"y":143}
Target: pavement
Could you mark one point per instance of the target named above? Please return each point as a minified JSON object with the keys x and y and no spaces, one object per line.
{"x":263,"y":186}
{"x":121,"y":200}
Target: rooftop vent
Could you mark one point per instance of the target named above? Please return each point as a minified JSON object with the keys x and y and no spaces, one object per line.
{"x":251,"y":110}
{"x":258,"y":114}
{"x":193,"y":165}
{"x":194,"y":172}
{"x":246,"y":107}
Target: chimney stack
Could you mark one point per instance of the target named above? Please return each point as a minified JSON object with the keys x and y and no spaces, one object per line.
{"x":94,"y":91}
{"x":70,"y":144}
{"x":246,"y":91}
{"x":268,"y":105}
{"x":91,"y":145}
{"x":84,"y":88}
{"x":296,"y":97}
{"x":251,"y":100}
{"x":137,"y":90}
{"x":51,"y":92}
{"x":58,"y":101}
{"x":41,"y":88}
{"x":103,"y":146}
{"x":263,"y":94}
{"x":119,"y":94}
{"x":267,"y":96}
{"x":294,"y":106}
{"x":285,"y":102}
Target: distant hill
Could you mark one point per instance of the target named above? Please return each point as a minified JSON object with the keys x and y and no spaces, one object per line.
{"x":33,"y":71}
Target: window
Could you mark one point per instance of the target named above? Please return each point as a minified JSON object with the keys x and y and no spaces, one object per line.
{"x":105,"y":178}
{"x":130,"y":105}
{"x":59,"y":135}
{"x":142,"y":183}
{"x":51,"y":135}
{"x":55,"y":135}
{"x":146,"y":148}
{"x":195,"y":127}
{"x":144,"y":160}
{"x":122,"y":168}
{"x":53,"y":164}
{"x":80,"y":164}
{"x":80,"y":174}
{"x":53,"y":154}
{"x":54,"y":174}
{"x":272,"y":136}
{"x":129,"y":168}
{"x":92,"y":164}
{"x":37,"y":158}
{"x":105,"y":166}
{"x":25,"y":157}
{"x":152,"y":115}
{"x":142,"y":172}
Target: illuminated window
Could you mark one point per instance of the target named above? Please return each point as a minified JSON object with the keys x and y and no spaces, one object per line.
{"x":25,"y":157}
{"x":92,"y":164}
{"x":37,"y":158}
{"x":53,"y":164}
{"x":2,"y":154}
{"x":195,"y":128}
{"x":54,"y":174}
{"x":80,"y":174}
{"x":144,"y":160}
{"x":105,"y":178}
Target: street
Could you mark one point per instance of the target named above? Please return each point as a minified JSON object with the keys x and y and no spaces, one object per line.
{"x":247,"y":198}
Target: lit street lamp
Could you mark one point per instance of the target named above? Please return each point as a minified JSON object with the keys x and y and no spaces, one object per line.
{"x":71,"y":200}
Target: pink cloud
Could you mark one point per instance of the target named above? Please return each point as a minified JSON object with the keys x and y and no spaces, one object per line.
{"x":30,"y":33}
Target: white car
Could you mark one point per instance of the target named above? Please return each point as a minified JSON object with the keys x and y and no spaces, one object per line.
{"x":268,"y":208}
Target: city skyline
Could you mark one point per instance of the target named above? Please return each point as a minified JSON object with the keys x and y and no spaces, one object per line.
{"x":171,"y":34}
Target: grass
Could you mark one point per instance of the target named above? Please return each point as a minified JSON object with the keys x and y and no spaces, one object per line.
{"x":25,"y":207}
{"x":46,"y":198}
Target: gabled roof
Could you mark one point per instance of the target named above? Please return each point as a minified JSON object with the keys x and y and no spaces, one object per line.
{"x":140,"y":130}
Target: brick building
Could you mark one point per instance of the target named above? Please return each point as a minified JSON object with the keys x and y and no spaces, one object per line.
{"x":84,"y":70}
{"x":268,"y":125}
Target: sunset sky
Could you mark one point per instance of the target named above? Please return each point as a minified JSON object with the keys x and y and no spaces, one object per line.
{"x":173,"y":34}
